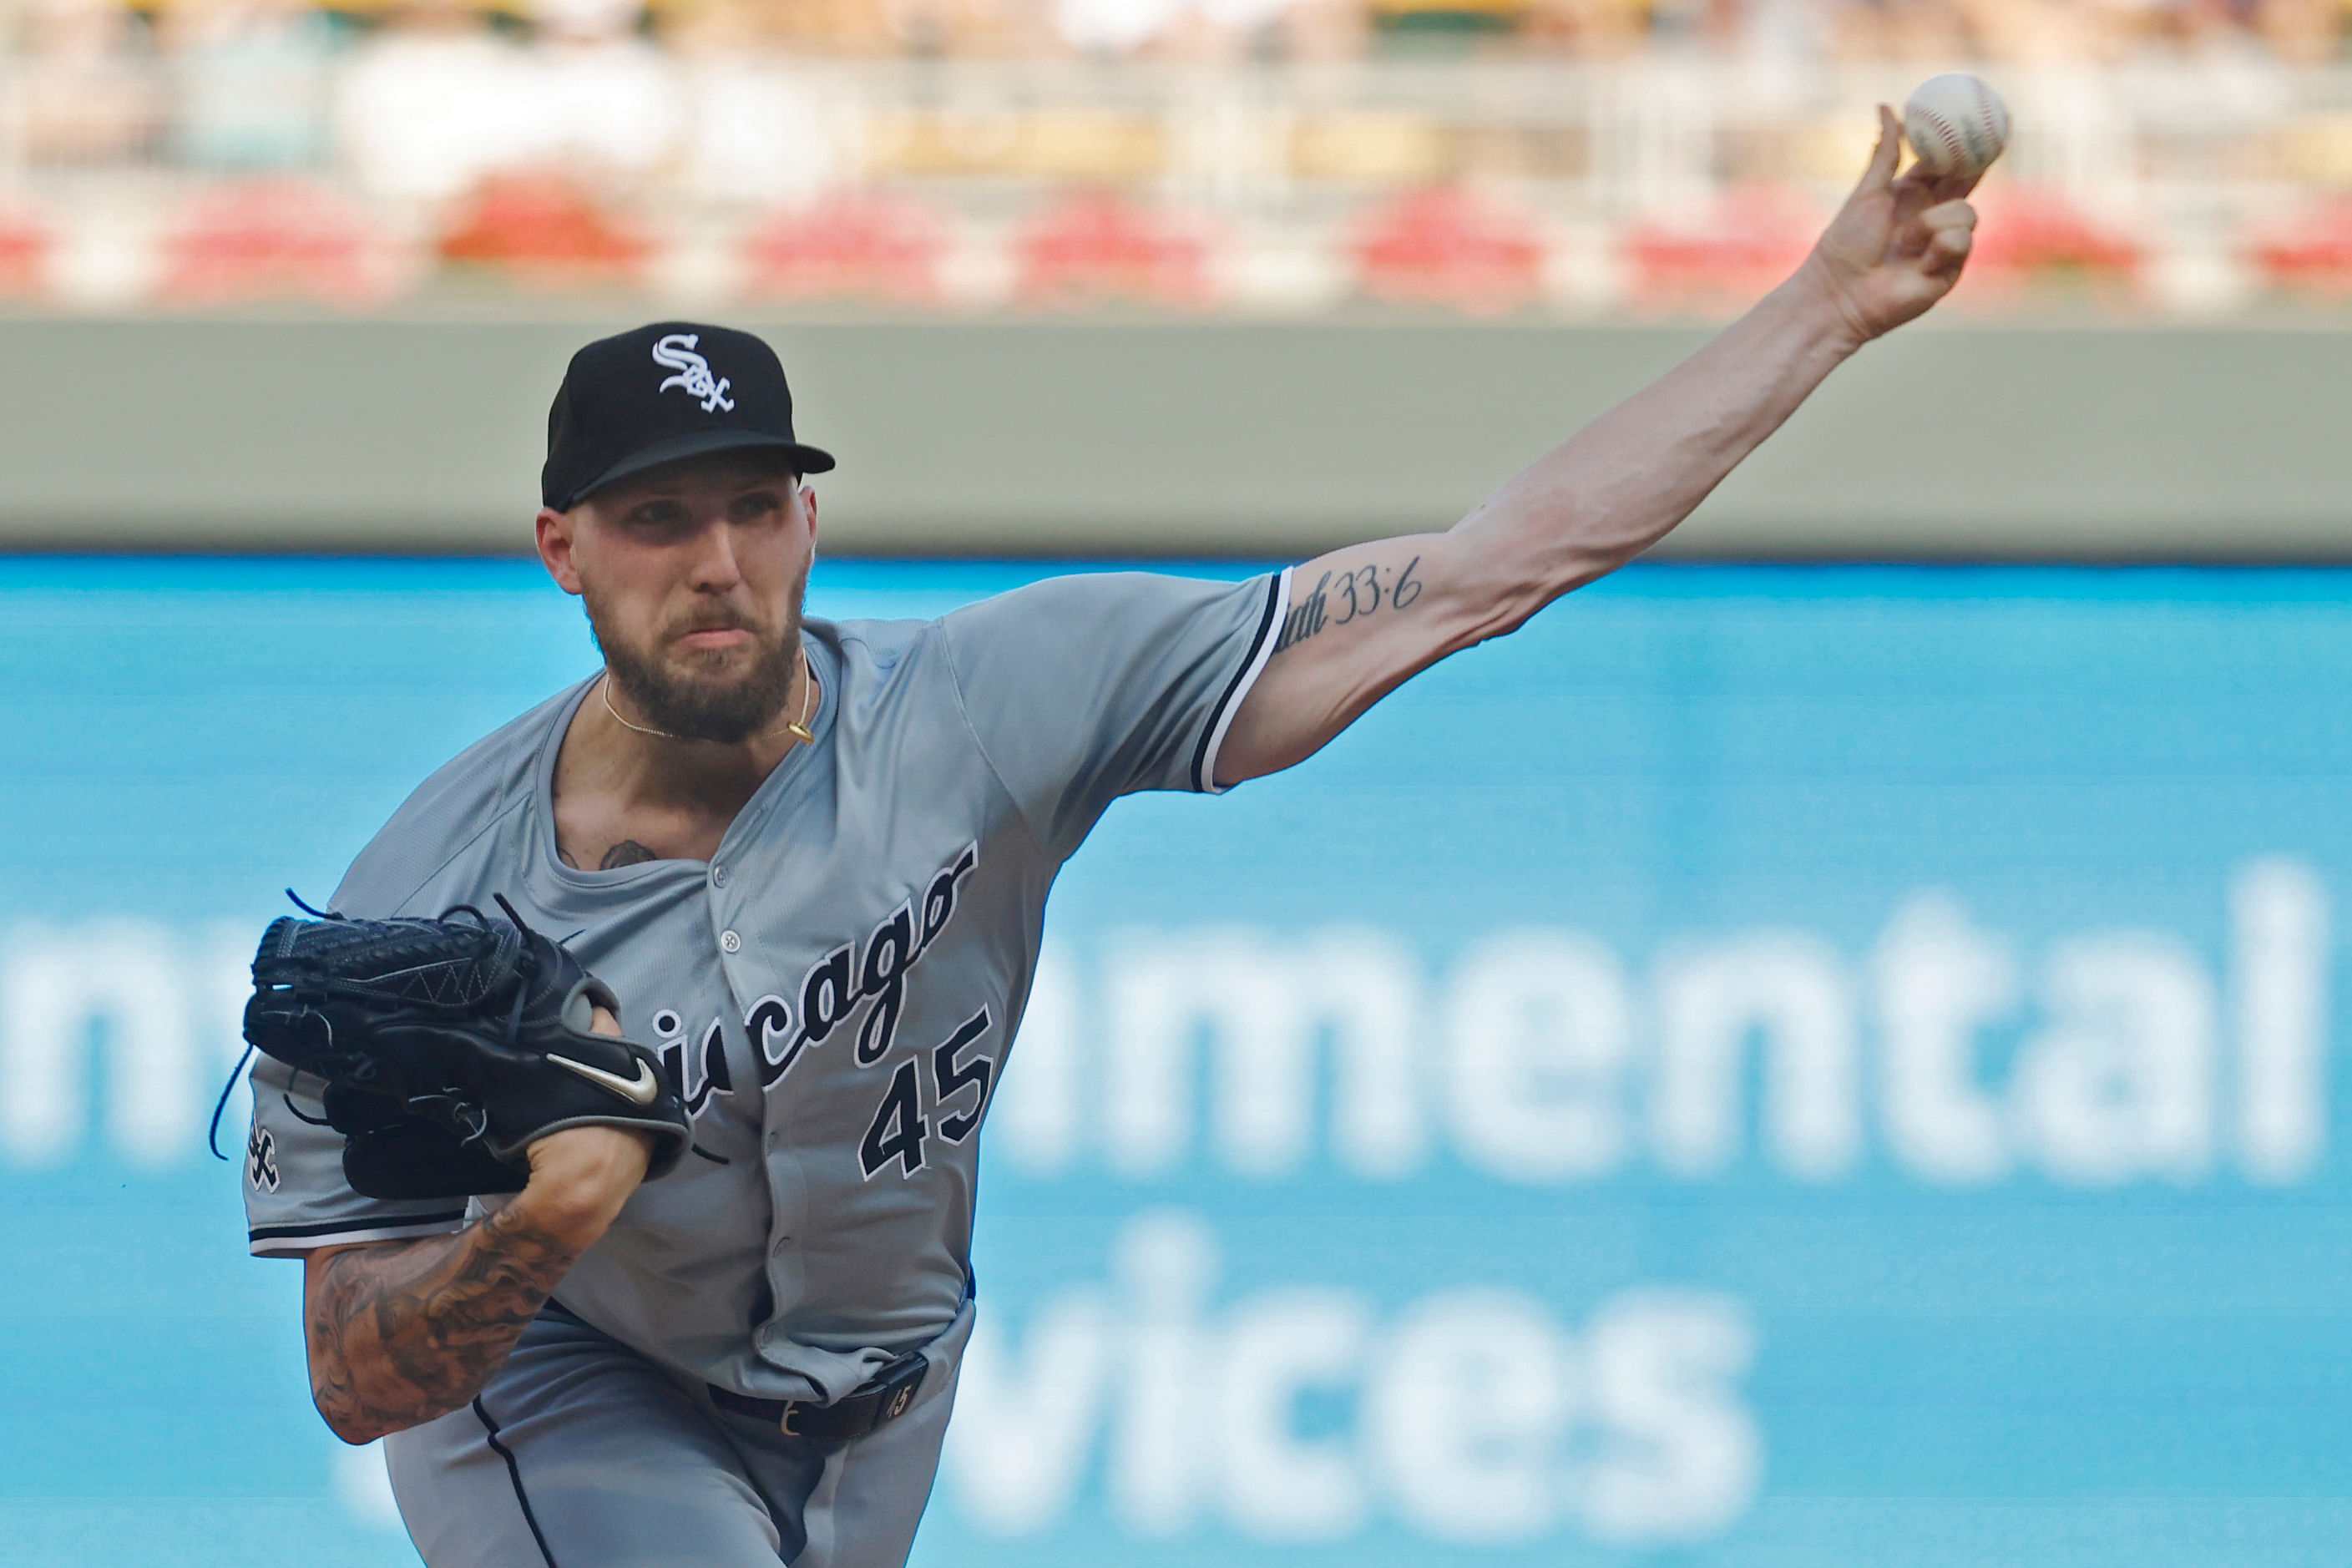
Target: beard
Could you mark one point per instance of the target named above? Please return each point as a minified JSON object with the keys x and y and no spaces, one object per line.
{"x":713,"y":698}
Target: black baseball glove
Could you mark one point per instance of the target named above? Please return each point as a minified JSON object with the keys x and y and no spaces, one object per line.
{"x":445,"y":1047}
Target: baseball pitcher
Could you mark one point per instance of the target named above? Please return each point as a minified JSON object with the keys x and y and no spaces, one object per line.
{"x":624,"y":1110}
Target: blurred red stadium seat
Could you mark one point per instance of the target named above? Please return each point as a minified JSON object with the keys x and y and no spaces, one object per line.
{"x":2312,"y":254}
{"x":542,"y":230}
{"x":26,"y":243}
{"x":1442,"y":244}
{"x":2034,"y":242}
{"x":1724,"y":258}
{"x":274,"y":239}
{"x":870,"y":246}
{"x":1092,"y":247}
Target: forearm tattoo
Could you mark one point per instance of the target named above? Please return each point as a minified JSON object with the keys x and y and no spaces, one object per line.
{"x":401,"y":1332}
{"x":1339,"y":597}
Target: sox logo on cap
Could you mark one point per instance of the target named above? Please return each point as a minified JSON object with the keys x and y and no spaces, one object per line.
{"x":675,"y":353}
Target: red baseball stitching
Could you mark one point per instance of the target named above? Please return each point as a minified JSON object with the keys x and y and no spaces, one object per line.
{"x":1946,"y":133}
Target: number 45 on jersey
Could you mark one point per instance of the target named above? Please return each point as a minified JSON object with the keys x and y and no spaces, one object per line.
{"x":899,"y":1132}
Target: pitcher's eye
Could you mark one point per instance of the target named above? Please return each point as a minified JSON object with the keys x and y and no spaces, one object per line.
{"x":754,"y":505}
{"x":657,"y":516}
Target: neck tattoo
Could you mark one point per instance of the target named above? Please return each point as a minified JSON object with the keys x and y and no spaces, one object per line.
{"x":796,"y":728}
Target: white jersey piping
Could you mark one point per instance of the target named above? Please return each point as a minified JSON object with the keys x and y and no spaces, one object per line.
{"x":1268,"y":635}
{"x":262,"y":1244}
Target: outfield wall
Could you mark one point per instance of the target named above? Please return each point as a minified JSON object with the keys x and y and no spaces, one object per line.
{"x":1764,"y":1068}
{"x":1177,"y":438}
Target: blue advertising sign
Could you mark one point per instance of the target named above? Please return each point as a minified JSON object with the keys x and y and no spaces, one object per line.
{"x":1762,"y":1066}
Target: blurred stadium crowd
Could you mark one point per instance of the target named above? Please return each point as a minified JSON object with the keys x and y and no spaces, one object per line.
{"x":1586,"y":156}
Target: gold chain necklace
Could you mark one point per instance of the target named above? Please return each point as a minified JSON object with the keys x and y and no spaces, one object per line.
{"x":797,"y":728}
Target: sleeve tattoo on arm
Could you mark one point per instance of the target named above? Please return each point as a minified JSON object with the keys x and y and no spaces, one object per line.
{"x":442,"y":1314}
{"x":1340,"y":598}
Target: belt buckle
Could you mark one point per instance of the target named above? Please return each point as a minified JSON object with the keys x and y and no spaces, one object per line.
{"x":881,"y":1399}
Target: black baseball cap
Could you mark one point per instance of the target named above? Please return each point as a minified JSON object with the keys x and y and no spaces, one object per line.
{"x":671,"y":390}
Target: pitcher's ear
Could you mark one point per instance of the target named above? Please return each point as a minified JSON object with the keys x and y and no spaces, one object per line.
{"x":555,"y":532}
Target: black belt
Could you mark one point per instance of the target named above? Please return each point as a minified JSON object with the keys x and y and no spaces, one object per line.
{"x":878,"y":1401}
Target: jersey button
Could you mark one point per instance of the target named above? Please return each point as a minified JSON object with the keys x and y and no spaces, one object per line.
{"x":729,"y":942}
{"x":783,"y":1245}
{"x":719,"y":876}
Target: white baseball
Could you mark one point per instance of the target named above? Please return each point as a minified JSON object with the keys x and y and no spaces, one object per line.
{"x":1956,"y":124}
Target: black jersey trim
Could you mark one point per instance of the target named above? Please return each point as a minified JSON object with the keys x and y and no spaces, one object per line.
{"x":1220,"y":718}
{"x":514,"y":1474}
{"x":325,"y":1227}
{"x":384,"y":1227}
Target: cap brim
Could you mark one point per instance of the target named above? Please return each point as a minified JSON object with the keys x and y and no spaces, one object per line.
{"x":806,"y":459}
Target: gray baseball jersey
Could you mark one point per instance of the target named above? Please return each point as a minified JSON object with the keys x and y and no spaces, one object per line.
{"x":835,"y":989}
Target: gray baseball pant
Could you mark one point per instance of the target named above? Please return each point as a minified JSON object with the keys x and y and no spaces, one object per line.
{"x":581,"y":1453}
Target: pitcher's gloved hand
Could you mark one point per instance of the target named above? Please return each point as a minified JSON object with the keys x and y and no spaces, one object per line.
{"x":443,"y":1048}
